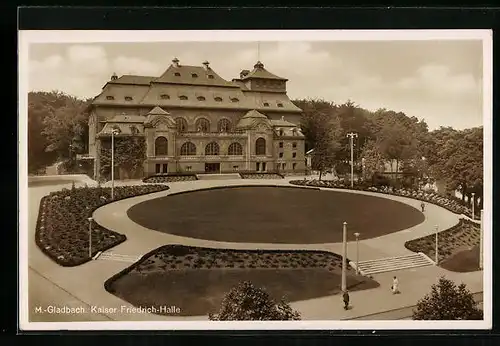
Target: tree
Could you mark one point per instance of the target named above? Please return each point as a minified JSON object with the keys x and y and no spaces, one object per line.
{"x":66,"y":127}
{"x":245,"y":302}
{"x":129,"y":154}
{"x":456,"y":157}
{"x":372,"y":160}
{"x":57,"y":127}
{"x":447,"y":301}
{"x":321,"y":127}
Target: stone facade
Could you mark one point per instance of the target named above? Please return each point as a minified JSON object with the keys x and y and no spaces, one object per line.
{"x":195,"y":121}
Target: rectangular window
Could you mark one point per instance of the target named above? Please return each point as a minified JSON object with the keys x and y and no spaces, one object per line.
{"x":283,"y":165}
{"x":281,"y":155}
{"x":281,"y":144}
{"x":258,"y":166}
{"x":263,"y":166}
{"x":294,"y":145}
{"x":165,"y":168}
{"x":294,"y":165}
{"x":294,"y":155}
{"x":158,"y":168}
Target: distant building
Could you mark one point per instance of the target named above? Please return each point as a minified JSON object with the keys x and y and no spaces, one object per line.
{"x":193,"y":120}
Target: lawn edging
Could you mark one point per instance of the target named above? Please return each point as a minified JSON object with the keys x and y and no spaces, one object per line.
{"x":242,"y":185}
{"x":446,"y":246}
{"x":264,"y":175}
{"x":163,"y":178}
{"x":329,"y":184}
{"x":112,"y":279}
{"x":52,"y":249}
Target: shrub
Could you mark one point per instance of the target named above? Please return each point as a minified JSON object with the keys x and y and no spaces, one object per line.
{"x":446,"y":301}
{"x":245,"y":302}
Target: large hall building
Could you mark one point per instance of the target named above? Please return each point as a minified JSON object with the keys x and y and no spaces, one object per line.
{"x":195,"y":121}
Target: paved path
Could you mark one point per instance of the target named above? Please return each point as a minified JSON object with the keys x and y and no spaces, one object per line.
{"x":85,"y":282}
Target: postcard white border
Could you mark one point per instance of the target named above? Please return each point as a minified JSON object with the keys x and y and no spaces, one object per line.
{"x":66,"y":36}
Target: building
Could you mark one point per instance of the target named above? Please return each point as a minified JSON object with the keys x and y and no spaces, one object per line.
{"x":193,"y":120}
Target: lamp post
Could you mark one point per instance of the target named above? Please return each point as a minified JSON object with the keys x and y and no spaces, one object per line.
{"x":344,"y":254}
{"x":357,"y":252}
{"x":90,"y":237}
{"x":114,"y":132}
{"x":437,"y":252}
{"x":351,"y":136}
{"x":481,"y":242}
{"x":473,"y":205}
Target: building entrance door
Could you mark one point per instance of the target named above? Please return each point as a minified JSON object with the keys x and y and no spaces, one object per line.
{"x":212,"y":167}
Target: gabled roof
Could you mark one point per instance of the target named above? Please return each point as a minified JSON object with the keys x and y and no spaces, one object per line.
{"x":158,"y":111}
{"x":283,"y":123}
{"x":193,"y":75}
{"x":125,"y":129}
{"x":251,"y":119}
{"x":254,"y":114}
{"x":260,"y":72}
{"x":157,"y":115}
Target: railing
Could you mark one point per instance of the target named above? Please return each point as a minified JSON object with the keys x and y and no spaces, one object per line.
{"x":212,"y":134}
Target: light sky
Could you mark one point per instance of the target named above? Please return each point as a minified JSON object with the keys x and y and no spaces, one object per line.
{"x":438,"y":81}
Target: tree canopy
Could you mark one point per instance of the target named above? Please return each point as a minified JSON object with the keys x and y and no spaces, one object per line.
{"x":447,"y":301}
{"x":57,"y":127}
{"x":245,"y":302}
{"x":387,"y":137}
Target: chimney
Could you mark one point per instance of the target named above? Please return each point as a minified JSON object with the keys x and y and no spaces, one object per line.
{"x":175,"y":62}
{"x":114,"y":76}
{"x":244,"y":73}
{"x":207,"y":65}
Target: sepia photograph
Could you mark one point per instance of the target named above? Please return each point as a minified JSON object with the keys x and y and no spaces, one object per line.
{"x":255,"y":180}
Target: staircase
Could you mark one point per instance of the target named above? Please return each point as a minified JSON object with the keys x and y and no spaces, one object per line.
{"x":110,"y":256}
{"x":390,"y":264}
{"x":217,"y":176}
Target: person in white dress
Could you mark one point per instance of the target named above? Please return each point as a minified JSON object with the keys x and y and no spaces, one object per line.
{"x":395,"y":285}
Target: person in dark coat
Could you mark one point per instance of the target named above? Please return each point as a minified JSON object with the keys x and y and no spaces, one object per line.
{"x":345,"y":296}
{"x":422,"y":205}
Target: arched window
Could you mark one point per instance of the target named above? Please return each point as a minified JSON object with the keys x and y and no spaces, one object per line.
{"x":181,"y":124}
{"x":202,"y":125}
{"x":161,"y":146}
{"x":188,"y":149}
{"x":212,"y":148}
{"x":224,"y":125}
{"x":235,"y":149}
{"x":260,"y":146}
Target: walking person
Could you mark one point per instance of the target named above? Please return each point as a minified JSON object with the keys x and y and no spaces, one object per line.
{"x":422,"y":205}
{"x":345,"y":296}
{"x":395,"y":285}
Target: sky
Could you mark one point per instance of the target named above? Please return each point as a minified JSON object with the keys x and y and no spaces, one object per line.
{"x":438,"y":81}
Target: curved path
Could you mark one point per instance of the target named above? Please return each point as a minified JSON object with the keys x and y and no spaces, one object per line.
{"x":86,"y":281}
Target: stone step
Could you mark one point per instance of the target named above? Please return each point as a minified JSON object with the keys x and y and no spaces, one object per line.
{"x":389,"y":264}
{"x":217,"y":176}
{"x":110,"y":256}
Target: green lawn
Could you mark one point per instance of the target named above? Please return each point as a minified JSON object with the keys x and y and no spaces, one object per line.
{"x":274,"y":215}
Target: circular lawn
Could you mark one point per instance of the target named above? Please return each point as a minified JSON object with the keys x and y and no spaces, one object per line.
{"x":274,"y":215}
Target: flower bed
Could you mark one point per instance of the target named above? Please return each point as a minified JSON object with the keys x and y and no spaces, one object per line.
{"x":261,"y":176}
{"x":430,"y":197}
{"x":169,"y":178}
{"x":62,"y":226}
{"x":172,"y":257}
{"x":463,"y":236}
{"x":195,"y":279}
